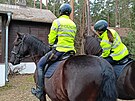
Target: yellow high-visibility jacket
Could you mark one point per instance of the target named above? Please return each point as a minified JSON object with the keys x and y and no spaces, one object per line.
{"x":64,"y":29}
{"x":117,"y":50}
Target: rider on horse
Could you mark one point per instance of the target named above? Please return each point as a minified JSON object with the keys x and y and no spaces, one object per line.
{"x":113,"y":50}
{"x":62,"y":37}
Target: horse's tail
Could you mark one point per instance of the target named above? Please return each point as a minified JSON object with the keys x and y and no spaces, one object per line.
{"x":108,"y":90}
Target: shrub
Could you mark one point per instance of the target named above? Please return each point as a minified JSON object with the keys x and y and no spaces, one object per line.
{"x":129,"y":41}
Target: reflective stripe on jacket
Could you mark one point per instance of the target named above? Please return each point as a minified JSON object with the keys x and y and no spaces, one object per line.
{"x":117,"y":50}
{"x":65,"y":30}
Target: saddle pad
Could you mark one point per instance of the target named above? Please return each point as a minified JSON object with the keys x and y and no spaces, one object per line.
{"x":119,"y":68}
{"x":51,"y":69}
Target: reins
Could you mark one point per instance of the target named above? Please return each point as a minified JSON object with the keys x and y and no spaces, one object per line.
{"x":20,"y":45}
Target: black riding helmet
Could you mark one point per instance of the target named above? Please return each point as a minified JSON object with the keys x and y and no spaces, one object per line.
{"x":100,"y":25}
{"x":65,"y":9}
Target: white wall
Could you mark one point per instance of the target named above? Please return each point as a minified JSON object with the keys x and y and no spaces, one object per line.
{"x":2,"y":75}
{"x":22,"y":68}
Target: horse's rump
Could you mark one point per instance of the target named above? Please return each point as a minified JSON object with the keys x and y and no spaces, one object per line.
{"x":125,"y":82}
{"x":80,"y":77}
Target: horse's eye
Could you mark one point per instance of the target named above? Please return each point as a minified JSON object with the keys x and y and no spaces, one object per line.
{"x":16,"y":43}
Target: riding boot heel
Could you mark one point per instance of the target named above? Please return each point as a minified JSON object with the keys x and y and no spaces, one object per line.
{"x":37,"y":92}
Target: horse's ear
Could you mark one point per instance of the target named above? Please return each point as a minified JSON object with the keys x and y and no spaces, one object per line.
{"x":19,"y":34}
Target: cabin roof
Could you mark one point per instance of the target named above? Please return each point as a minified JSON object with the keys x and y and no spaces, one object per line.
{"x":28,"y":13}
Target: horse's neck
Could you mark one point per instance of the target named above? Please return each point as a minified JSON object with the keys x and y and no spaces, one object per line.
{"x":36,"y":47}
{"x":40,"y":51}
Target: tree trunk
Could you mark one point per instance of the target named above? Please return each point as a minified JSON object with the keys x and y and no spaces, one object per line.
{"x":116,"y":14}
{"x":40,"y":4}
{"x":72,"y":13}
{"x":46,"y":4}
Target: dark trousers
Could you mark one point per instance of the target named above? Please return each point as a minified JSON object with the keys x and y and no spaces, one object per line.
{"x":110,"y":60}
{"x":43,"y":61}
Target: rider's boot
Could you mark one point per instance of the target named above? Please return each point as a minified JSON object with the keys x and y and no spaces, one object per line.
{"x":38,"y":92}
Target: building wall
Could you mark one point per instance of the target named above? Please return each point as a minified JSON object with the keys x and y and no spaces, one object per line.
{"x":3,"y":31}
{"x":0,"y":38}
{"x":40,"y":30}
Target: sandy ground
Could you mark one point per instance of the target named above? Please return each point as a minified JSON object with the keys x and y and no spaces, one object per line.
{"x":19,"y":89}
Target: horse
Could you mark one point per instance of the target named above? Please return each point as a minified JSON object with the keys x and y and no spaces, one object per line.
{"x":125,"y":80}
{"x":78,"y":78}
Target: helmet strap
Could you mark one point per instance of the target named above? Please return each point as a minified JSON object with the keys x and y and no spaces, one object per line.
{"x":96,"y":33}
{"x":92,"y":29}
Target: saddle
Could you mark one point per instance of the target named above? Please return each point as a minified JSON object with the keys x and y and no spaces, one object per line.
{"x":124,"y":60}
{"x":66,"y":55}
{"x":53,"y":65}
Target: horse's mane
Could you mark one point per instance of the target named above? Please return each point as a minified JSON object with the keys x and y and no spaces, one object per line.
{"x":36,"y":44}
{"x":91,"y":45}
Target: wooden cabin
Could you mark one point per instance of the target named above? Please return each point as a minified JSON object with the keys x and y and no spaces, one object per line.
{"x":25,"y":20}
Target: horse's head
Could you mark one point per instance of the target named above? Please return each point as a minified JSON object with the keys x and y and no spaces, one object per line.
{"x":20,"y":49}
{"x":92,"y":46}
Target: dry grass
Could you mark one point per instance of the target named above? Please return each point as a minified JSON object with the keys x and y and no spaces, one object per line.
{"x":125,"y":100}
{"x":18,"y":89}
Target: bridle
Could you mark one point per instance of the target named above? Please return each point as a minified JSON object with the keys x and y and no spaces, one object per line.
{"x":21,"y":57}
{"x":17,"y":54}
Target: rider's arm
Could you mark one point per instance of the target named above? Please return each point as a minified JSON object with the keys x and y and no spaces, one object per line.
{"x":53,"y":33}
{"x":106,"y":47}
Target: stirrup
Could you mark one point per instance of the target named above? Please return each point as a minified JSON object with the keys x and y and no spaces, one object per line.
{"x":37,"y":92}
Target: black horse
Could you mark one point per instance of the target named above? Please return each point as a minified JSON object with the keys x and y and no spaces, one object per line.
{"x":126,"y":79}
{"x":79,"y":78}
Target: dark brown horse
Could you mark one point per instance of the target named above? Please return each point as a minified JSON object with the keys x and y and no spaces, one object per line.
{"x":126,"y":80}
{"x":79,"y":78}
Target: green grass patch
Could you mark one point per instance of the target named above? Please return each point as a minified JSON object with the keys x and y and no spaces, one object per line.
{"x":30,"y":79}
{"x":8,"y":86}
{"x":23,"y":87}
